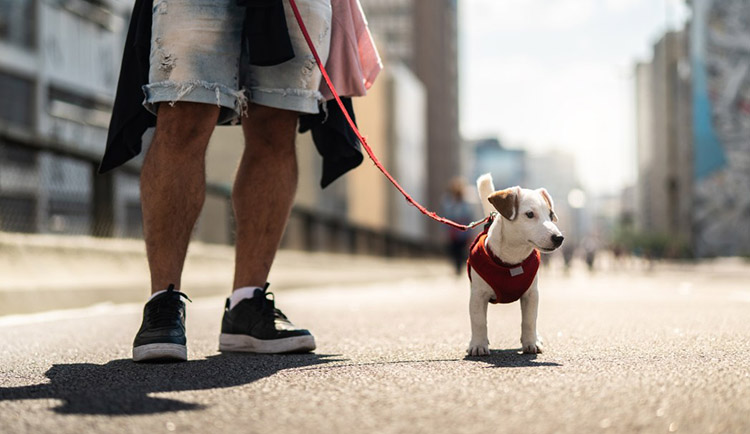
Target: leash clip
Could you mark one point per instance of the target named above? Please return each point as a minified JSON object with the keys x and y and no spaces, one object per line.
{"x":490,"y":219}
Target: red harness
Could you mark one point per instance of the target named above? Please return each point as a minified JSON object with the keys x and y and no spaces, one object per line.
{"x":509,"y":282}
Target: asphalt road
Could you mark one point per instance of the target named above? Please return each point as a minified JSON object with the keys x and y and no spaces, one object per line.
{"x":626,"y":351}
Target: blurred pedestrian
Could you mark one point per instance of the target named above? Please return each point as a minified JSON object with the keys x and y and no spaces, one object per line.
{"x":590,"y":247}
{"x":568,"y":250}
{"x":197,"y":64}
{"x":456,"y":208}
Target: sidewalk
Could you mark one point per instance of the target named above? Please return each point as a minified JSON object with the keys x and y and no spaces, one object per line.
{"x":48,"y":272}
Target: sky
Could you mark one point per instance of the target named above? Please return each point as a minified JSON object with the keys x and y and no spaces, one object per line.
{"x":558,"y":74}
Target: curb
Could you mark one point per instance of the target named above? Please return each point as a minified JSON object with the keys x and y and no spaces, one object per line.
{"x":49,"y":272}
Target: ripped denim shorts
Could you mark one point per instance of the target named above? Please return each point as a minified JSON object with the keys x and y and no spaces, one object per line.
{"x":195,"y":56}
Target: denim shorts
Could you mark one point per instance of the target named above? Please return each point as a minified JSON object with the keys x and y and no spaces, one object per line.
{"x":195,"y":56}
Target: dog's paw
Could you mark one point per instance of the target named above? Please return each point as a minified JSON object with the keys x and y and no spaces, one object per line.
{"x":478,"y":349}
{"x":532,"y":347}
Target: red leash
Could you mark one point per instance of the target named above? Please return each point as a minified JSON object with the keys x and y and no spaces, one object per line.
{"x":374,"y":159}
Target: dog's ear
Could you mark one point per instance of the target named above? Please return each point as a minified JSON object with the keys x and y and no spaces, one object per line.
{"x":550,"y":203}
{"x":506,"y":202}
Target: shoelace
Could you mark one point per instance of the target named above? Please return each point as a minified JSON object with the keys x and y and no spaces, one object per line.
{"x":166,"y":310}
{"x":269,"y":306}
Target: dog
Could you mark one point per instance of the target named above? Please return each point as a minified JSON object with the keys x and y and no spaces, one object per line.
{"x":506,"y":255}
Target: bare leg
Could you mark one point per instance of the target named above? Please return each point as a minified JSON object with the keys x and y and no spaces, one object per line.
{"x":173,"y":187}
{"x":263,"y":191}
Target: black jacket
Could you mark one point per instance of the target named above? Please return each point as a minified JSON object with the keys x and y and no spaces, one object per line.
{"x":265,"y":42}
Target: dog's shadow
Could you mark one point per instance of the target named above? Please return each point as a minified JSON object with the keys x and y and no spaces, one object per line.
{"x":122,"y":387}
{"x":510,"y":358}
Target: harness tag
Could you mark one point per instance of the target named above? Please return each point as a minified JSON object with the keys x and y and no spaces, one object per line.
{"x":516,"y":271}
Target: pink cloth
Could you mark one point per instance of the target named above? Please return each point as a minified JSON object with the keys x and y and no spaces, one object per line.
{"x":353,"y":62}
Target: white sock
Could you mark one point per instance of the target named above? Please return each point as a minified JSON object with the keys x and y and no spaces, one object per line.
{"x":240,"y":294}
{"x":157,"y":293}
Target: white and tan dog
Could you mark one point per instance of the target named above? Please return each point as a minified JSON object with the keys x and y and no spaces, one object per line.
{"x":524,"y":226}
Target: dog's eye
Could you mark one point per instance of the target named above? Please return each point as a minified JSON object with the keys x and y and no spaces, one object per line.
{"x":530,"y":214}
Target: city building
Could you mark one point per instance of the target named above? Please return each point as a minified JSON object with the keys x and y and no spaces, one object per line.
{"x":644,"y":144}
{"x":693,"y":103}
{"x":59,"y":63}
{"x":720,"y":65}
{"x":664,"y":145}
{"x":423,"y":35}
{"x":507,"y":166}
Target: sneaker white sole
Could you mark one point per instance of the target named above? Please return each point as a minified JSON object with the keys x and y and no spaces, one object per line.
{"x":159,"y":351}
{"x":245,"y":343}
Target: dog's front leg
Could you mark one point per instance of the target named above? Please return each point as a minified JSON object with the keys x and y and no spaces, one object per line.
{"x":530,"y":342}
{"x":479,"y":344}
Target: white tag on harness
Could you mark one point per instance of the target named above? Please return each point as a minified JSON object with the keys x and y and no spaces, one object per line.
{"x":516,"y":271}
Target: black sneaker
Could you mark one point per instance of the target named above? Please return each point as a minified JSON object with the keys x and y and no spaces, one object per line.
{"x":255,"y":325}
{"x":162,"y":333}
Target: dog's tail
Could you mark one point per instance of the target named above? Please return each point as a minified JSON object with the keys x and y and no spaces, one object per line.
{"x":485,"y":188}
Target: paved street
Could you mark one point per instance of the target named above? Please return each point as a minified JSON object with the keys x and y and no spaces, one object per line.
{"x":626,"y":351}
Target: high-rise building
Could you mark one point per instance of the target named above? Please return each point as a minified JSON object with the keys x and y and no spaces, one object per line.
{"x":664,"y":142}
{"x":644,"y":133}
{"x":720,"y":69}
{"x":693,"y":104}
{"x":507,"y":166}
{"x":391,"y":22}
{"x":436,"y":64}
{"x":423,"y":34}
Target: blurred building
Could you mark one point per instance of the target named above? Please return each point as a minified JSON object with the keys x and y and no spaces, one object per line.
{"x":58,"y":69}
{"x":423,"y":35}
{"x":507,"y":166}
{"x":664,"y":142}
{"x":395,"y":111}
{"x":644,"y":143}
{"x":693,"y":103}
{"x":720,"y":59}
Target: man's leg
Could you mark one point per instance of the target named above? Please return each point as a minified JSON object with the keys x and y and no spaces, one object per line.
{"x":173,"y":186}
{"x":263,"y":191}
{"x":262,"y":198}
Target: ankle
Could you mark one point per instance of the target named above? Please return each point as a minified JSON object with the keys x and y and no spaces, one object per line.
{"x":243,"y":293}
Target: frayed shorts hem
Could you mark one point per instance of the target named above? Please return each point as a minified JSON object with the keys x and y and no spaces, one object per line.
{"x":297,"y":100}
{"x":233,"y":103}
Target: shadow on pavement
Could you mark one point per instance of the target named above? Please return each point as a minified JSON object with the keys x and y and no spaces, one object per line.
{"x":122,"y":387}
{"x":512,"y":358}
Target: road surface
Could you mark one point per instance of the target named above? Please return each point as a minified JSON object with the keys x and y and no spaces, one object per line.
{"x":627,"y":351}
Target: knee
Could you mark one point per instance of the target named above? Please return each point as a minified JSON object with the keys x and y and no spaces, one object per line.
{"x":270,"y":131}
{"x":186,"y":126}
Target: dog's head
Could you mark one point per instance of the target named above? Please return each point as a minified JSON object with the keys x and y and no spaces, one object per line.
{"x":530,"y":215}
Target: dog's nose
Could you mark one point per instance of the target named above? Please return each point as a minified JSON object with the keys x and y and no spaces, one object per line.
{"x":557,"y":240}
